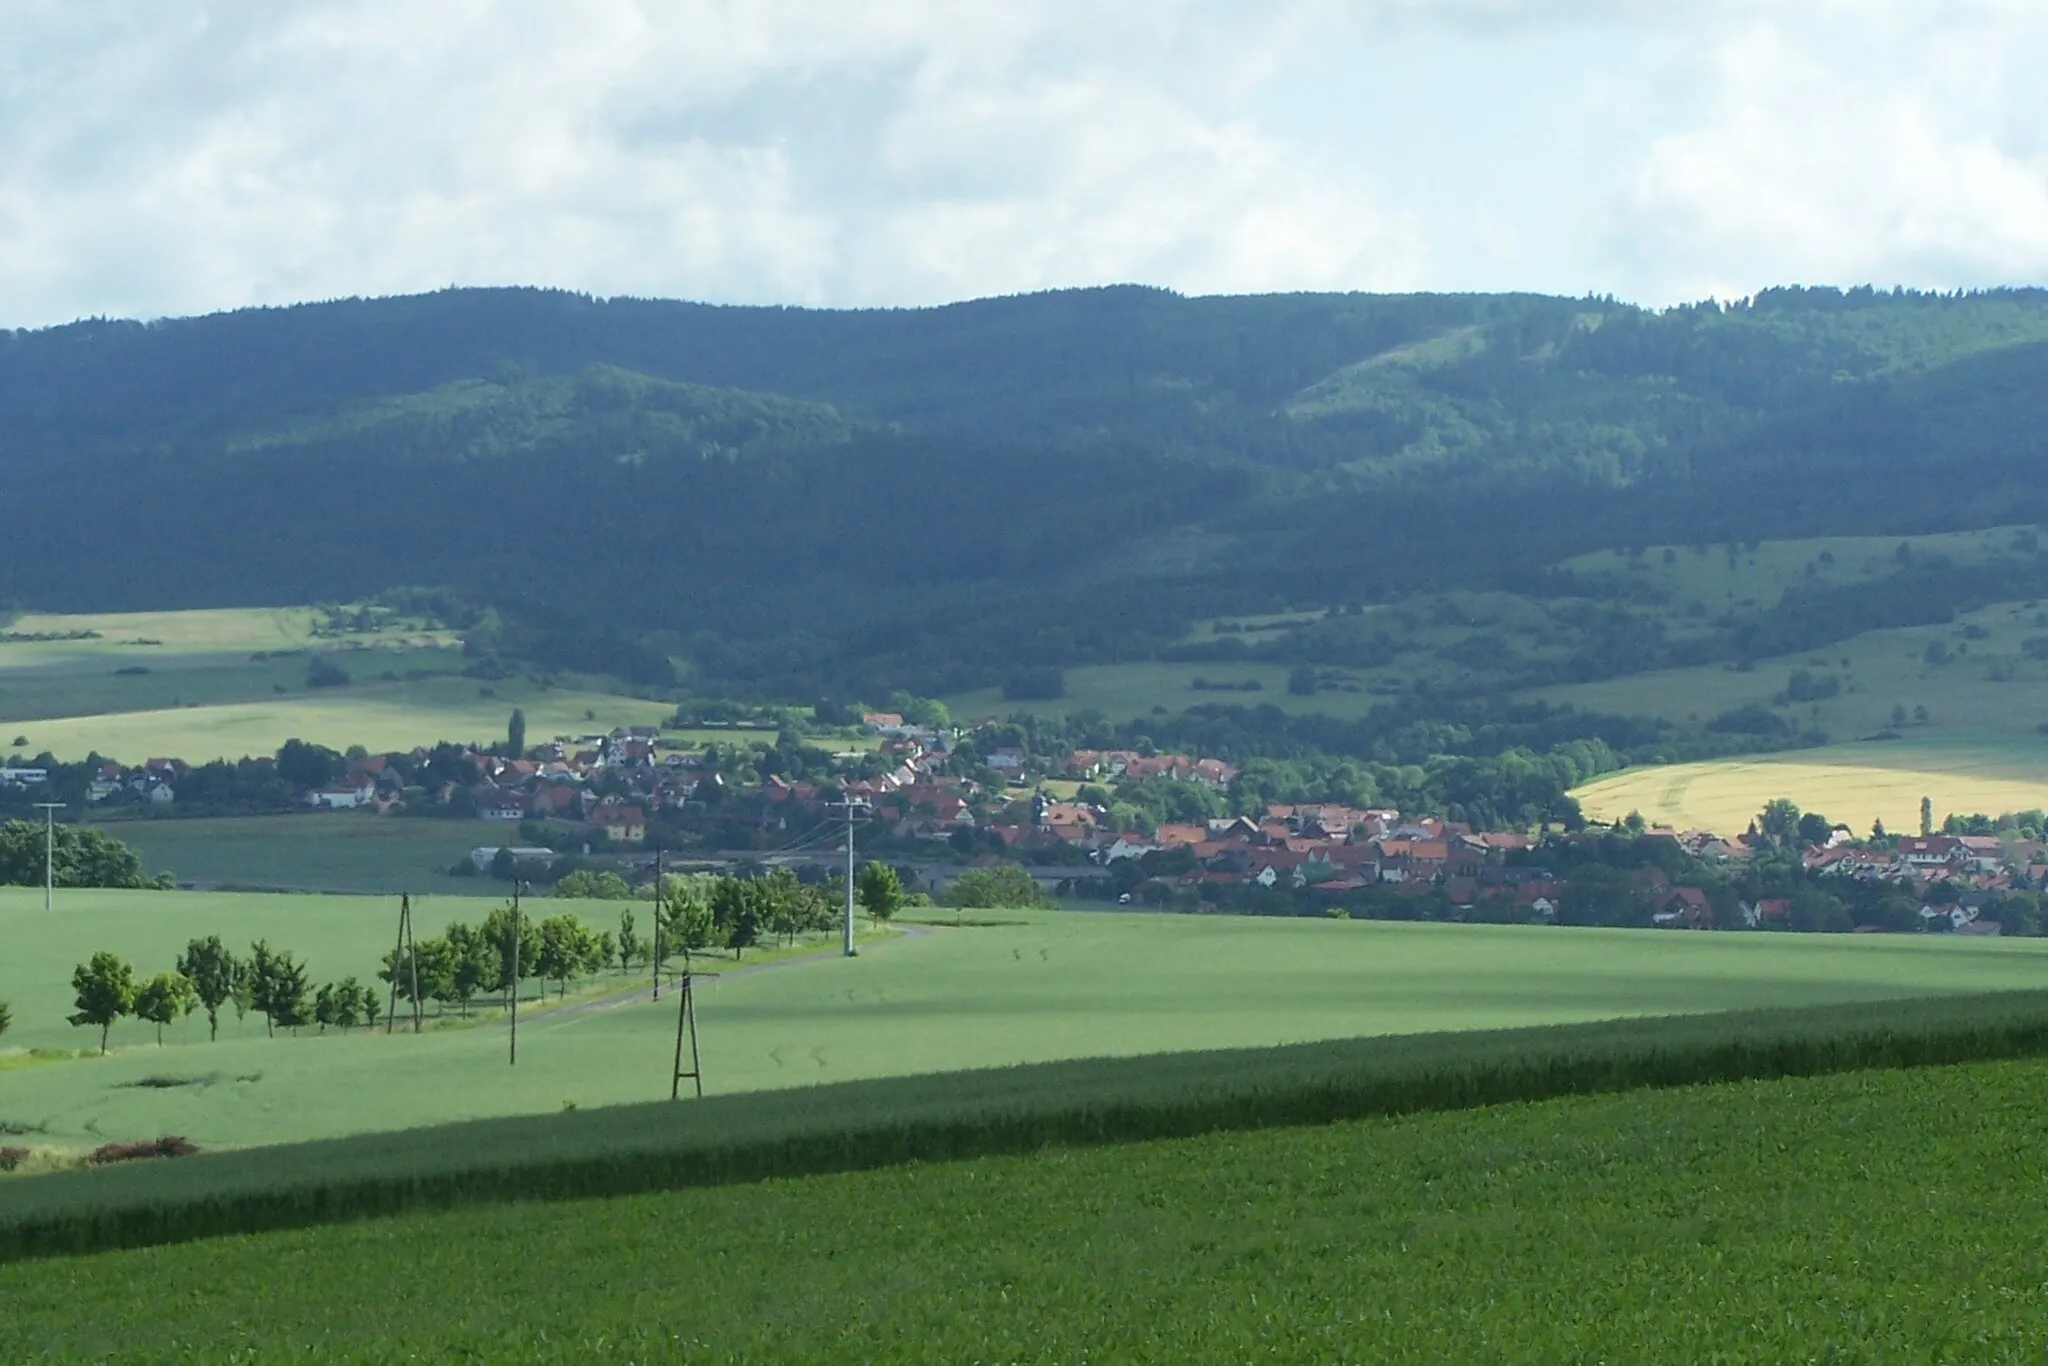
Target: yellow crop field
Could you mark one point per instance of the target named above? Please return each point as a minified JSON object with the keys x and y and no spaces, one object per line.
{"x":1855,"y":784}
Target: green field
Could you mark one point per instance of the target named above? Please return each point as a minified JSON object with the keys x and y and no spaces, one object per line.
{"x":1988,"y":686}
{"x":378,"y":716}
{"x":1757,"y":576}
{"x":1053,"y":985}
{"x":226,"y":683}
{"x":152,"y":661}
{"x":1125,"y":691}
{"x":344,"y":851}
{"x":1886,"y":1216}
{"x":1855,"y":784}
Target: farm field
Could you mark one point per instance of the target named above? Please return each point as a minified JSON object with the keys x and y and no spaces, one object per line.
{"x":1052,"y":985}
{"x":379,"y":716}
{"x":145,"y":661}
{"x":1864,"y":1216}
{"x":316,"y":852}
{"x":1124,"y":691}
{"x":1758,"y":575}
{"x":1987,"y":687}
{"x":1855,"y":784}
{"x":141,"y":636}
{"x":194,"y":681}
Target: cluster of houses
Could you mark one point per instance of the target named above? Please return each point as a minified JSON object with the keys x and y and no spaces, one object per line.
{"x":1337,"y":848}
{"x":610,"y":786}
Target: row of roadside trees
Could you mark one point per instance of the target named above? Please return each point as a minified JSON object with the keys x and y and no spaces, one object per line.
{"x":694,"y":914}
{"x":208,"y":975}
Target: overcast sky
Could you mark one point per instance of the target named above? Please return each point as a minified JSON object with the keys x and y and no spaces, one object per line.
{"x":182,"y":157}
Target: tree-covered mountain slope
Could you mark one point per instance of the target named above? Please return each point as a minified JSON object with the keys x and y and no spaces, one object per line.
{"x":802,"y":500}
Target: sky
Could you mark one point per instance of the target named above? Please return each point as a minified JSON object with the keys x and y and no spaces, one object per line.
{"x":167,"y":159}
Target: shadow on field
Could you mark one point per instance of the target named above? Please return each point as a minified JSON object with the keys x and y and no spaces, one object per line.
{"x":851,"y":1125}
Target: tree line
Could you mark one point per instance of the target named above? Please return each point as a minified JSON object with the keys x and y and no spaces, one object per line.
{"x":207,"y":976}
{"x":80,"y":856}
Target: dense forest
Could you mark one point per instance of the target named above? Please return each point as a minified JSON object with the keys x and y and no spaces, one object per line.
{"x":808,"y":503}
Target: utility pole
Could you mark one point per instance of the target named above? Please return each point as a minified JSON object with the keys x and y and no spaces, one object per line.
{"x":655,"y":953}
{"x":410,"y":953}
{"x":853,"y":808}
{"x":686,"y":1023}
{"x":517,"y":888}
{"x":49,"y":810}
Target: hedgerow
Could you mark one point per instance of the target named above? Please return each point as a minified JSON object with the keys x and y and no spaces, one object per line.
{"x":865,"y":1124}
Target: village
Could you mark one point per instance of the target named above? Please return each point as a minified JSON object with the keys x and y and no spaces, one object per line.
{"x":935,"y":802}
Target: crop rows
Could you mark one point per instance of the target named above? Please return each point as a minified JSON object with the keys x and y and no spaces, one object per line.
{"x":1870,"y":1217}
{"x":858,"y":1125}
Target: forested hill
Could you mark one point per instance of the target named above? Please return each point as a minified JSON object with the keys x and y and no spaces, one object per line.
{"x":799,"y":498}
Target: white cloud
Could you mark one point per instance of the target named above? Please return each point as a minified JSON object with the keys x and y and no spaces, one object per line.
{"x":1903,"y":150}
{"x":255,"y":155}
{"x":175,"y":158}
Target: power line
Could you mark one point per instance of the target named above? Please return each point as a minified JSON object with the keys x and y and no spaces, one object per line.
{"x":49,"y":810}
{"x":855,"y":811}
{"x":409,"y":952}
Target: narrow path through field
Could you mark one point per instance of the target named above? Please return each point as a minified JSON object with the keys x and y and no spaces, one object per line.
{"x":644,"y":991}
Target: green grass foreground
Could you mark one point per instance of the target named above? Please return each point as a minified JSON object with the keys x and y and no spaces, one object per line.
{"x":1042,"y":987}
{"x":1878,"y":1216}
{"x":631,"y":1149}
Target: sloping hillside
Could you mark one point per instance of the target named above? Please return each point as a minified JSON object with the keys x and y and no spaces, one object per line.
{"x":806,"y":501}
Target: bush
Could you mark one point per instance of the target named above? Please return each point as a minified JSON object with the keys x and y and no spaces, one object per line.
{"x":1754,"y":719}
{"x":82,"y":856}
{"x":985,"y":888}
{"x":325,"y":673}
{"x":170,"y":1145}
{"x":593,"y":884}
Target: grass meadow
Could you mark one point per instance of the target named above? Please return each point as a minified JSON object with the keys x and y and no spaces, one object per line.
{"x":1987,"y":687}
{"x":1050,"y":986}
{"x":154,"y":661}
{"x":316,"y":851}
{"x":1124,"y":691}
{"x":1758,"y":575}
{"x":379,"y":716}
{"x":1872,"y":1216}
{"x":231,"y":682}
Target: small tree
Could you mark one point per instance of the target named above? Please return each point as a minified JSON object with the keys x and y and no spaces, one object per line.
{"x":497,"y":933}
{"x":213,"y":972}
{"x":6,"y":1017}
{"x":1781,"y":820}
{"x":430,"y":962}
{"x":629,"y":946}
{"x":278,"y":986}
{"x":472,"y":965}
{"x":880,"y":891}
{"x":567,"y":947}
{"x":368,"y":1006}
{"x":688,"y":918}
{"x":163,"y":999}
{"x":324,"y":1003}
{"x":1926,"y":816}
{"x":738,"y":909}
{"x":344,"y":1004}
{"x":515,"y":734}
{"x":105,"y":989}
